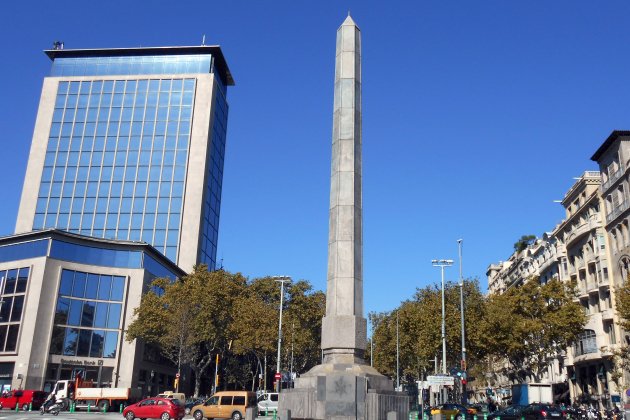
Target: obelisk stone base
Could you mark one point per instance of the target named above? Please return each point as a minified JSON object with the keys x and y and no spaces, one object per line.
{"x":338,"y":391}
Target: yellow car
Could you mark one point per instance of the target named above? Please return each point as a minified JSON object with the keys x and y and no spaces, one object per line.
{"x":450,"y":411}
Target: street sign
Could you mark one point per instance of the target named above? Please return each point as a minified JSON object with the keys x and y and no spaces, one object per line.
{"x":441,"y":380}
{"x":278,"y":376}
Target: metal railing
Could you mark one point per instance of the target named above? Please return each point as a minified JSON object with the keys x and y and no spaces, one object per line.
{"x":623,"y":206}
{"x":614,"y":177}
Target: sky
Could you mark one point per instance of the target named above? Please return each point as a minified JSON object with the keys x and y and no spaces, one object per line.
{"x":477,"y":115}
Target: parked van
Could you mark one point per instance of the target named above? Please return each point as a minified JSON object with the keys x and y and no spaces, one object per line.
{"x":268,"y":402}
{"x":22,"y":398}
{"x":173,"y":396}
{"x":225,"y":405}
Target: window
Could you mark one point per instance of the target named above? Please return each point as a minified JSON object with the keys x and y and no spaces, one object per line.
{"x":587,"y":343}
{"x":87,"y":322}
{"x":14,"y":285}
{"x":610,"y":330}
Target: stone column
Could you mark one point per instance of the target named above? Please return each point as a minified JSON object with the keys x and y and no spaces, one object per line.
{"x":344,"y":329}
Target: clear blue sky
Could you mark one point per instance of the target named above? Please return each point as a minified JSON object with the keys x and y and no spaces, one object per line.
{"x":477,"y":115}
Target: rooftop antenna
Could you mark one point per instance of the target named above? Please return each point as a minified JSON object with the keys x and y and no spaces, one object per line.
{"x":203,"y":40}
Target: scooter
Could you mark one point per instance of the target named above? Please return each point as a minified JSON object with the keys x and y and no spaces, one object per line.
{"x":50,"y":407}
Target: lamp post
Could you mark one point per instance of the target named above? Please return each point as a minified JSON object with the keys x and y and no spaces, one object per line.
{"x":442,"y":264}
{"x":461,"y":306}
{"x":281,"y":280}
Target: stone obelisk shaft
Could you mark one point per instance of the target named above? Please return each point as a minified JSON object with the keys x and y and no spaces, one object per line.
{"x":344,"y":327}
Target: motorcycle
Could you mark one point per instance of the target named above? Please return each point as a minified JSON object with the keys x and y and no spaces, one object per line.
{"x":51,"y":407}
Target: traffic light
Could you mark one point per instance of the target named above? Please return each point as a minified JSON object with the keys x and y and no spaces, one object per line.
{"x":464,"y":381}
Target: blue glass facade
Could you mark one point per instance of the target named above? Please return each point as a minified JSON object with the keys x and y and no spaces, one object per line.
{"x":13,"y":284}
{"x":133,"y":65}
{"x":88,"y":314}
{"x":214,"y":181}
{"x":117,"y":153}
{"x":116,"y":160}
{"x":85,"y":254}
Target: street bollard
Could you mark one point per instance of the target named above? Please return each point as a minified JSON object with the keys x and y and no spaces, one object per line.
{"x":274,"y":414}
{"x":485,"y":416}
{"x":104,"y":408}
{"x":475,"y":417}
{"x":120,"y":409}
{"x":30,"y":406}
{"x":89,"y":407}
{"x":452,"y":417}
{"x":17,"y":407}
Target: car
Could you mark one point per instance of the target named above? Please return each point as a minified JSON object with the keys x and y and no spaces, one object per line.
{"x":225,"y":405}
{"x":481,"y":408}
{"x":541,"y":412}
{"x":155,"y":408}
{"x":513,"y":412}
{"x":268,"y":402}
{"x":450,"y":410}
{"x":191,"y":402}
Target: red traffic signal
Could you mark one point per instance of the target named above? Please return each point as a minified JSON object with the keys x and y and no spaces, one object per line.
{"x":464,"y":381}
{"x":277,"y":375}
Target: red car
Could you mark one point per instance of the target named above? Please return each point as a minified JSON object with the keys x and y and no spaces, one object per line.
{"x":155,"y":408}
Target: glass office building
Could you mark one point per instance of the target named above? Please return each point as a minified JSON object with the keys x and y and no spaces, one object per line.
{"x":66,"y":301}
{"x":129,"y":145}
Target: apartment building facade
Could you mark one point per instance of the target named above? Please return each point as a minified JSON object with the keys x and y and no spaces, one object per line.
{"x":576,"y":250}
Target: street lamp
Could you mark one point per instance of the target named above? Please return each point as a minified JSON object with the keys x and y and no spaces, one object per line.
{"x":461,"y":306}
{"x":442,"y":264}
{"x":281,"y":280}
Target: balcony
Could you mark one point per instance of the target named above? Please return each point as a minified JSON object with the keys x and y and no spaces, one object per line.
{"x":614,"y":177}
{"x":617,"y":211}
{"x":591,"y":286}
{"x":607,"y":314}
{"x":591,"y":224}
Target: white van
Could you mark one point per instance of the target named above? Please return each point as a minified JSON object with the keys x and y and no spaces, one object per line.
{"x":267,"y":402}
{"x":173,"y":396}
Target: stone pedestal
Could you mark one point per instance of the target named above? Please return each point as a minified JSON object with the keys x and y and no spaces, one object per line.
{"x":338,"y":391}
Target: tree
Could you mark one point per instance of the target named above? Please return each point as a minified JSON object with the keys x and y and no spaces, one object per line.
{"x":529,"y":326}
{"x":189,"y":319}
{"x":255,"y":328}
{"x":622,"y":303}
{"x":524,"y":242}
{"x":419,"y":324}
{"x":621,"y":355}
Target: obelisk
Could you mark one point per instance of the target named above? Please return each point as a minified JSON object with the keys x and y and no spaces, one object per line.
{"x":343,"y":387}
{"x":344,"y":329}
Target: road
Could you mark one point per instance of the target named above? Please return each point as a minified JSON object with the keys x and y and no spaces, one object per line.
{"x":64,"y":415}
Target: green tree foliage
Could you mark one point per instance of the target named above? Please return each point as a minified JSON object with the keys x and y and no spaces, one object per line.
{"x":528,"y":326}
{"x":622,"y":303}
{"x":189,"y":319}
{"x":524,"y":242}
{"x":209,"y":313}
{"x":419,"y":325}
{"x":256,"y":325}
{"x":621,"y":354}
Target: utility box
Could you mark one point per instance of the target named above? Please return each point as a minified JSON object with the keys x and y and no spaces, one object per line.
{"x":525,"y":394}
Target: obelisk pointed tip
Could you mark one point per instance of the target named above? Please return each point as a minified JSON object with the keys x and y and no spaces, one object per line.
{"x":349,"y":21}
